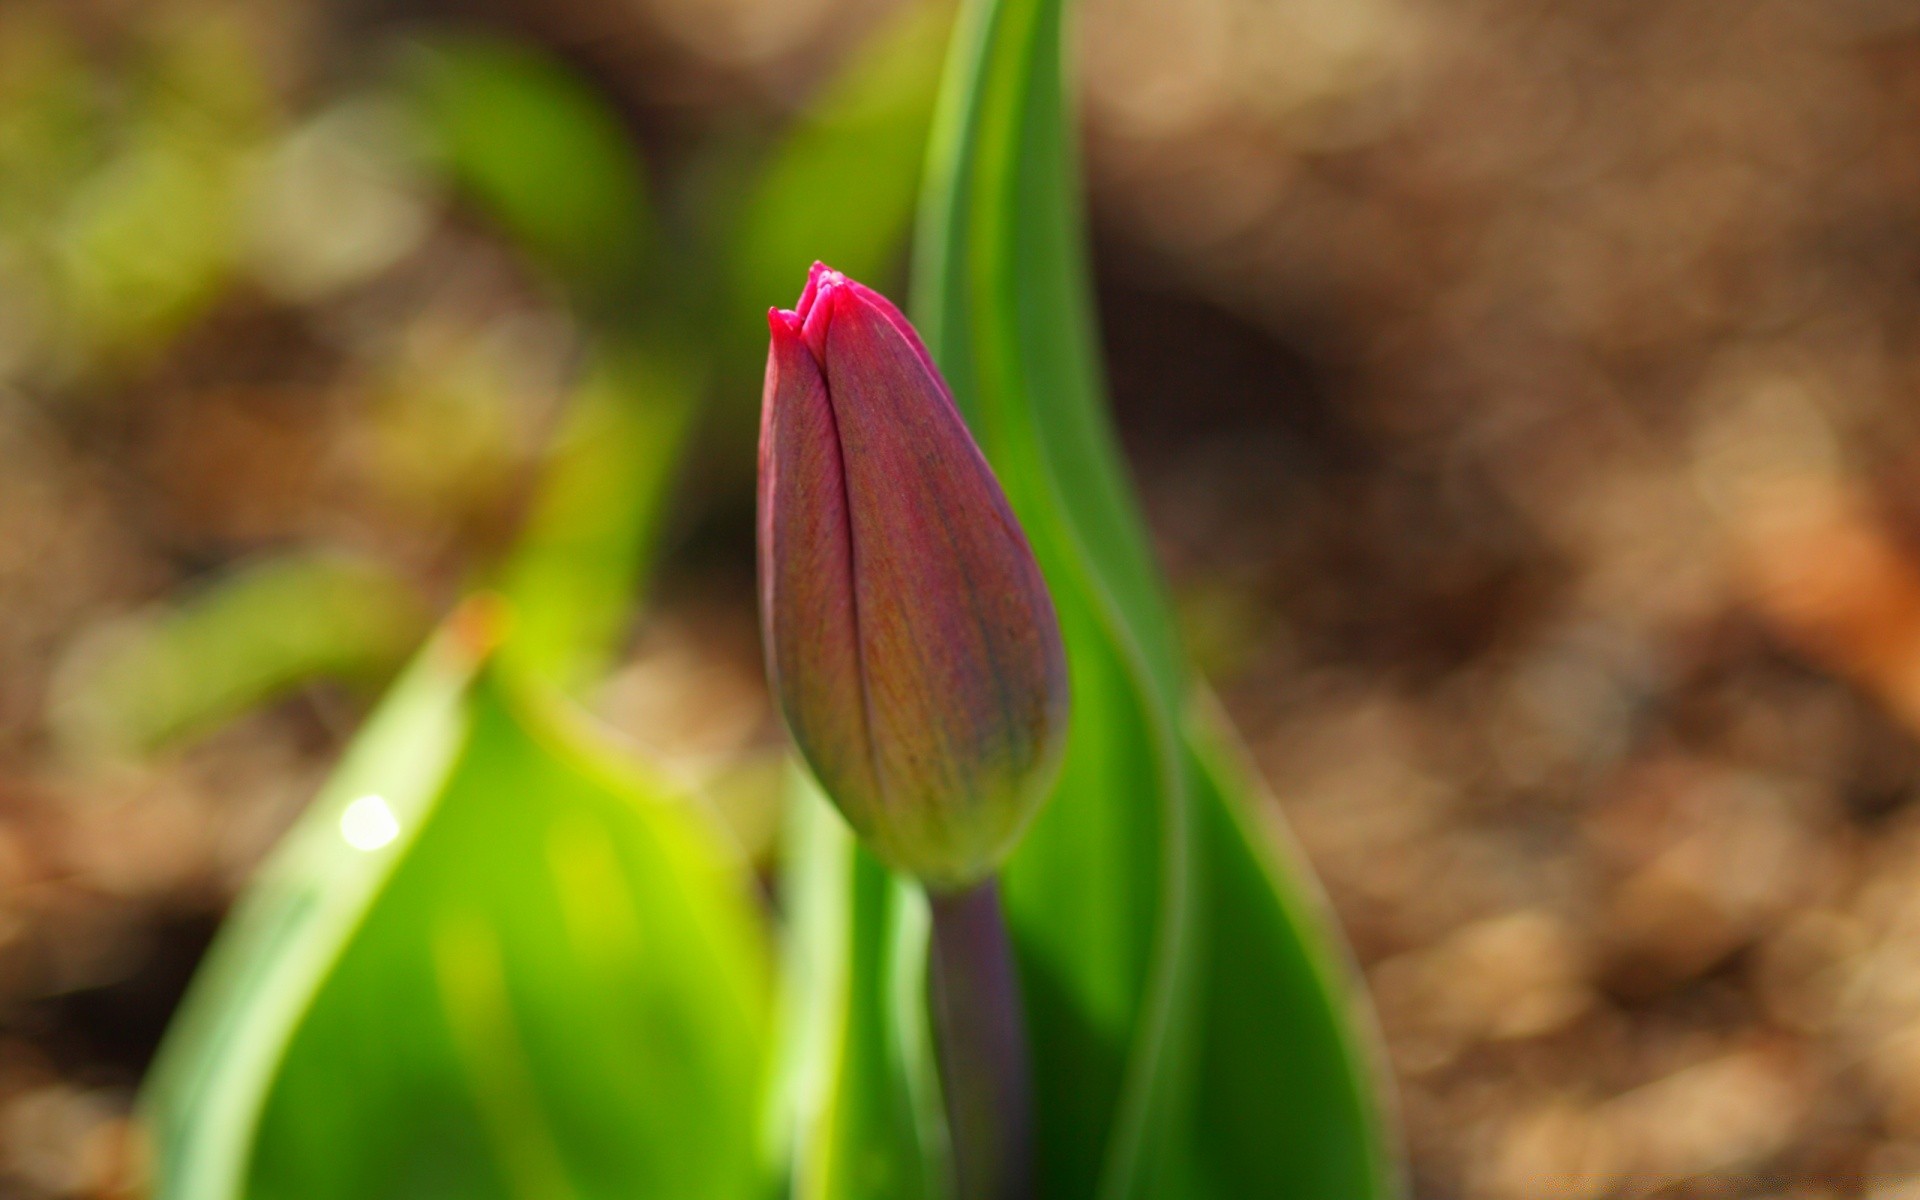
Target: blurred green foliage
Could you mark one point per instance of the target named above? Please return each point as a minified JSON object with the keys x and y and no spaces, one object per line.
{"x":589,"y":540}
{"x":422,"y":1001}
{"x":869,"y":125}
{"x":857,"y":1109}
{"x":119,"y":201}
{"x":544,"y":157}
{"x":187,"y":666}
{"x":212,"y":178}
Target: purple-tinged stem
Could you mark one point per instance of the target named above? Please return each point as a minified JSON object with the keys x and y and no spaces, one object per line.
{"x":981,"y":1035}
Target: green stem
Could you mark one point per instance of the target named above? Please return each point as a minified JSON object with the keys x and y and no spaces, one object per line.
{"x":982,"y":1041}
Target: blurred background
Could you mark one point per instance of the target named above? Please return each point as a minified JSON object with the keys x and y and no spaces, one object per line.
{"x":1523,"y":399}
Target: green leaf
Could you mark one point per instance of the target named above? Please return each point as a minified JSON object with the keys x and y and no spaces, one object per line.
{"x":245,"y":638}
{"x":1100,"y":894}
{"x":487,"y":962}
{"x":1280,"y":1003}
{"x":857,"y":1111}
{"x":1152,"y":928}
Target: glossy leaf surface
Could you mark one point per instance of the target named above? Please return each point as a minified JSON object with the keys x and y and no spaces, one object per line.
{"x":488,"y":962}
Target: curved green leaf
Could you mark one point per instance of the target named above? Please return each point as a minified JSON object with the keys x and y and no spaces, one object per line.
{"x":1292,"y":1083}
{"x":857,"y":1114}
{"x":1100,"y":894}
{"x":1152,"y":929}
{"x":487,"y":962}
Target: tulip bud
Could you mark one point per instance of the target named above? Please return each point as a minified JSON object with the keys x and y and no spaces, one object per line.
{"x":909,"y":634}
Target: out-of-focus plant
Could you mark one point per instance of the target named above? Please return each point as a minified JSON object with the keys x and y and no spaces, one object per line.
{"x":527,"y":144}
{"x":671,"y":309}
{"x":869,"y":124}
{"x":477,"y":871}
{"x":156,"y":677}
{"x":494,"y":961}
{"x":117,"y":203}
{"x":543,"y":156}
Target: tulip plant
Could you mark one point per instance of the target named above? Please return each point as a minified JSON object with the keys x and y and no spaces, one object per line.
{"x":1034,"y":933}
{"x":917,"y":658}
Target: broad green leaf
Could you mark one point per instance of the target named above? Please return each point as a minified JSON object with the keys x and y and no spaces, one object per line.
{"x":245,"y":638}
{"x":1152,"y":927}
{"x":543,"y":155}
{"x":856,"y":1111}
{"x":487,"y":962}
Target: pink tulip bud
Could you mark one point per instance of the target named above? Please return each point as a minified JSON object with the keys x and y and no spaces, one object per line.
{"x":909,"y":634}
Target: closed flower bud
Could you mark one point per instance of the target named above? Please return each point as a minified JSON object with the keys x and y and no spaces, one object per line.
{"x":910,"y":638}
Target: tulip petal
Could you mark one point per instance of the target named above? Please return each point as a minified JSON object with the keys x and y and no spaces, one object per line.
{"x":815,"y":274}
{"x":806,"y":604}
{"x":959,"y":645}
{"x":881,"y":307}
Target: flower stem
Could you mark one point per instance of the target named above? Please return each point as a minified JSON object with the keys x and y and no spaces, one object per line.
{"x":982,"y":1042}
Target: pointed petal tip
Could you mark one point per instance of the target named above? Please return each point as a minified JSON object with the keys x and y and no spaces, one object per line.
{"x":819,"y":277}
{"x":820,"y":300}
{"x":783,"y":321}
